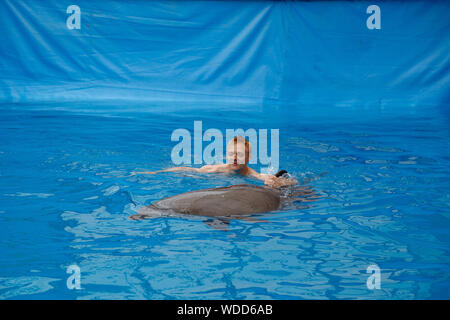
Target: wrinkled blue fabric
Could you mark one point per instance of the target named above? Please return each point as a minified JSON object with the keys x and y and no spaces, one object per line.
{"x":305,"y":53}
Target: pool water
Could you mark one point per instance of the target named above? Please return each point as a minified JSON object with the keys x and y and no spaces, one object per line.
{"x":66,"y":196}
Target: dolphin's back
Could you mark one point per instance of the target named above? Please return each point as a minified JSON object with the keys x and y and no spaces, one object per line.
{"x":226,"y":201}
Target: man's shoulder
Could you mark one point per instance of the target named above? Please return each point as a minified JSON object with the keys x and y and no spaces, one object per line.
{"x":253,"y":172}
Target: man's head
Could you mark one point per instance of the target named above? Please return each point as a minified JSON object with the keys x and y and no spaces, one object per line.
{"x":239,"y":152}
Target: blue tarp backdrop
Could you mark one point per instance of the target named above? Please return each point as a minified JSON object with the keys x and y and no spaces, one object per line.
{"x":306,"y":53}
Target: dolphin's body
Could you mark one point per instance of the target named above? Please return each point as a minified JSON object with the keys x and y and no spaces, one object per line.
{"x":232,"y":201}
{"x":226,"y":203}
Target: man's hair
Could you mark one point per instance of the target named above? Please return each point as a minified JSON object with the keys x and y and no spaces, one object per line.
{"x":236,"y":139}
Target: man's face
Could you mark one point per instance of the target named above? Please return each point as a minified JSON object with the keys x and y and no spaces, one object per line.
{"x":236,"y":155}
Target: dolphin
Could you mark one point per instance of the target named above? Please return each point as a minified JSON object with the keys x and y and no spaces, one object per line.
{"x":242,"y":201}
{"x":235,"y":200}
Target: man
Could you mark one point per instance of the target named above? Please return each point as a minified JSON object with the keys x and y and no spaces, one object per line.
{"x":238,"y":155}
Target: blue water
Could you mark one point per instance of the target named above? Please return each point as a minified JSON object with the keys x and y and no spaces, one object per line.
{"x":66,"y":195}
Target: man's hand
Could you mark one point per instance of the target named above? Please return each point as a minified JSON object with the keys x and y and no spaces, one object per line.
{"x":275,"y":182}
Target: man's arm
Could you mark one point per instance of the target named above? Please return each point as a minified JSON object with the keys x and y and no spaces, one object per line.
{"x":272,"y":181}
{"x":205,"y":169}
{"x":276,"y":182}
